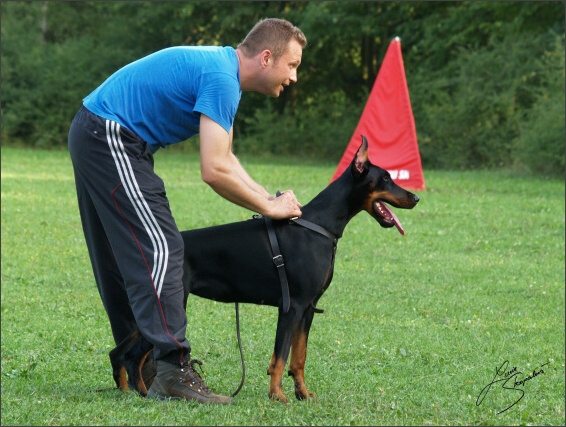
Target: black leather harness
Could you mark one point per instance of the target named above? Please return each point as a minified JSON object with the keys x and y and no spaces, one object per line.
{"x":278,"y":257}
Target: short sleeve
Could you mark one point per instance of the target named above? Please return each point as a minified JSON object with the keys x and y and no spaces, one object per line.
{"x":218,"y":98}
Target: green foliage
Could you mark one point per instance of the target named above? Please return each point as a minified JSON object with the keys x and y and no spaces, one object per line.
{"x":46,"y":73}
{"x":486,"y":79}
{"x":317,"y":129}
{"x":540,"y":145}
{"x":413,"y":329}
{"x":476,"y":117}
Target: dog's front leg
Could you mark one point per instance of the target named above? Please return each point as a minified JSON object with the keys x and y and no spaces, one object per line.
{"x":286,"y":324}
{"x":276,"y":369}
{"x":299,"y":356}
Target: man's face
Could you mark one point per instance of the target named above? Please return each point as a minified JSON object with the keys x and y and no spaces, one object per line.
{"x":283,"y":71}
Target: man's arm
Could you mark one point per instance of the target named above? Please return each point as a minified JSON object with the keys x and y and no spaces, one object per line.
{"x":223,"y":172}
{"x":248,"y":180}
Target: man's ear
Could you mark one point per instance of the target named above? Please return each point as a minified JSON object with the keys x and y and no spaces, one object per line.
{"x":266,"y":57}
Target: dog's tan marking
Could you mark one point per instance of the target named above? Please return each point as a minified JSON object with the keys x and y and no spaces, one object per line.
{"x":297,"y":365}
{"x":140,"y":380}
{"x":122,"y":379}
{"x":276,"y":369}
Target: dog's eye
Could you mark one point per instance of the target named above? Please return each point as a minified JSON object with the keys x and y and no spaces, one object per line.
{"x":386,"y":179}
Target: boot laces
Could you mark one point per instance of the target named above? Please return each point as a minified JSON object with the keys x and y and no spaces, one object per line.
{"x":192,"y":376}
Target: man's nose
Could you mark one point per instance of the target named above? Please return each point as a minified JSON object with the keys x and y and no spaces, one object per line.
{"x":293,"y":76}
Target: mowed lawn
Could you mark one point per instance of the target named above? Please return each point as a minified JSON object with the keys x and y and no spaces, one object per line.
{"x":415,"y":327}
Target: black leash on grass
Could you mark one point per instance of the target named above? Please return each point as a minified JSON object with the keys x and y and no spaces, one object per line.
{"x":241,"y":352}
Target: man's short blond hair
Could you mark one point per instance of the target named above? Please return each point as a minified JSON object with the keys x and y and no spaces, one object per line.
{"x":273,"y":34}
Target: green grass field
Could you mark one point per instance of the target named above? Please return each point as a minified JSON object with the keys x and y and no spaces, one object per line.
{"x":414,"y":327}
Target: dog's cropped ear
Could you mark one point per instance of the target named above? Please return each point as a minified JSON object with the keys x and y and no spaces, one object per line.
{"x":360,"y":165}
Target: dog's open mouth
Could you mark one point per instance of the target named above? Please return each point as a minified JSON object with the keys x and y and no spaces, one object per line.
{"x":388,"y":215}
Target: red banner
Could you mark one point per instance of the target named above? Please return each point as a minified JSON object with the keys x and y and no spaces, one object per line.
{"x":388,"y":124}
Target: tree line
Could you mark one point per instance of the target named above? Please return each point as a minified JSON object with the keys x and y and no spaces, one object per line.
{"x":486,"y":79}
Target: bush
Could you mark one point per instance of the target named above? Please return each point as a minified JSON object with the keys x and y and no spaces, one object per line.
{"x":540,"y":145}
{"x":480,"y":111}
{"x":320,"y":128}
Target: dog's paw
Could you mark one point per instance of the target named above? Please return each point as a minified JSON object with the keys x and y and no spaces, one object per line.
{"x":301,"y":392}
{"x":304,"y":395}
{"x":277,"y":396}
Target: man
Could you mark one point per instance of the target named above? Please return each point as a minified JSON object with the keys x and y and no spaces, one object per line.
{"x":135,"y":248}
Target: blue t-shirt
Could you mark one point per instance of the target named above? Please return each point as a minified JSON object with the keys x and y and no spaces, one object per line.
{"x":160,"y":97}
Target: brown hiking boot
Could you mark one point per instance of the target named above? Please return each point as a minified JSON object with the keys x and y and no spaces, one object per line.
{"x":183,"y":382}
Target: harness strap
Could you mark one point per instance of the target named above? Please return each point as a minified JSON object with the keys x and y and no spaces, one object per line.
{"x":316,"y":310}
{"x":314,"y":227}
{"x":279,"y":263}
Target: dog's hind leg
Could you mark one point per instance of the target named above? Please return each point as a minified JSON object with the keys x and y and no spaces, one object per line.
{"x":299,"y":356}
{"x":140,"y":366}
{"x":117,"y":360}
{"x":133,"y":365}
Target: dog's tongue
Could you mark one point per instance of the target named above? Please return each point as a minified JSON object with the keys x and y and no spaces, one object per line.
{"x":394,"y":217}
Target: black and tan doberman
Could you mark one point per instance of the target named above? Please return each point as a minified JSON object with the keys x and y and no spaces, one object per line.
{"x":236,"y":263}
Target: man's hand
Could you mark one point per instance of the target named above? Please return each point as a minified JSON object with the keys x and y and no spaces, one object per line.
{"x":284,"y":206}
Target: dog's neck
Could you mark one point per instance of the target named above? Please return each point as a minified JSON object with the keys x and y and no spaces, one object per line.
{"x":331,"y":208}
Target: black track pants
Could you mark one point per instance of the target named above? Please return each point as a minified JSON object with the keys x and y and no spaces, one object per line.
{"x":134,"y":245}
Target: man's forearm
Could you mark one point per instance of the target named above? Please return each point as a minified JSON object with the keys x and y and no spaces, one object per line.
{"x":248,"y":180}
